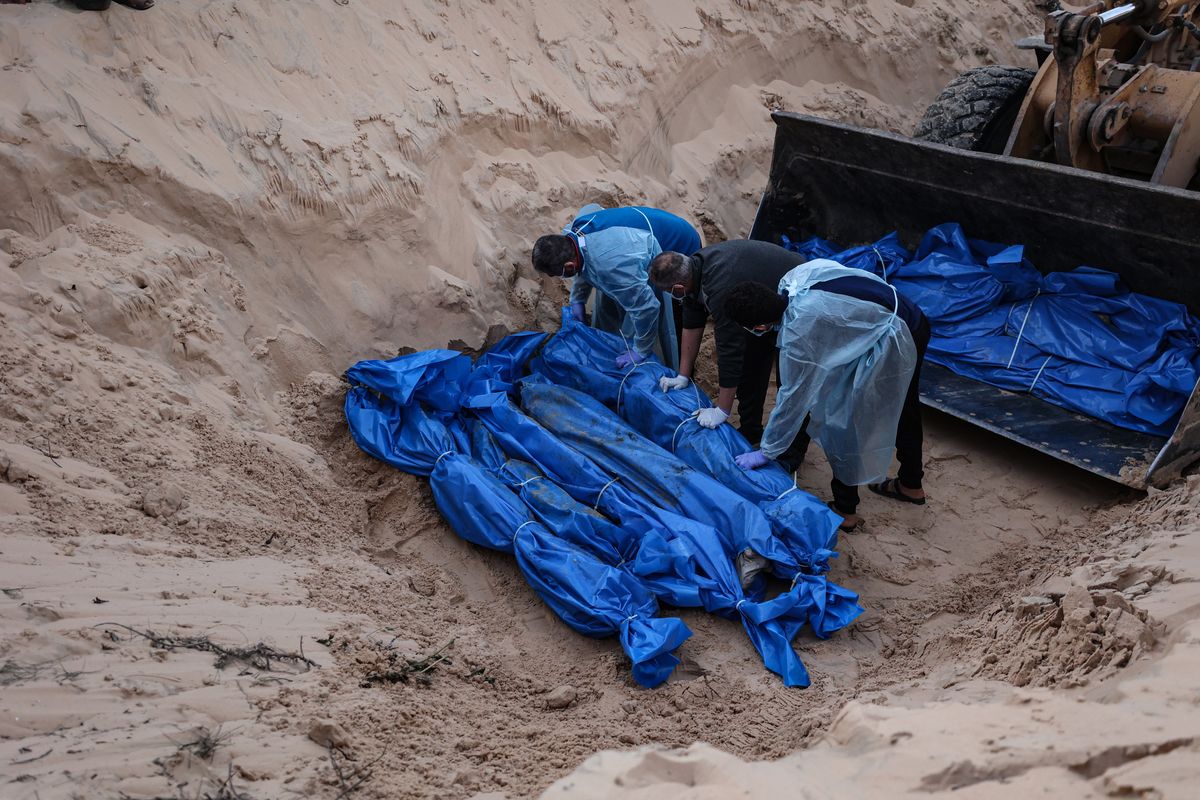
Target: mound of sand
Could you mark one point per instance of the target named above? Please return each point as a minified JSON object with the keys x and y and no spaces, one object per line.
{"x":209,"y":212}
{"x":1132,"y":733}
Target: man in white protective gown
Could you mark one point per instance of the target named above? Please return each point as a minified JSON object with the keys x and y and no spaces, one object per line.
{"x":850,"y":353}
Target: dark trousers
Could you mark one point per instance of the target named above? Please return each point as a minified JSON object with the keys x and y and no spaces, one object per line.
{"x":759,"y":357}
{"x":910,"y":436}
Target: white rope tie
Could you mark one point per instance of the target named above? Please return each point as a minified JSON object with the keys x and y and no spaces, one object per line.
{"x":631,"y":617}
{"x":624,"y":339}
{"x":621,"y":388}
{"x":530,"y":480}
{"x":522,"y":525}
{"x":443,"y":455}
{"x":1021,"y":332}
{"x":596,"y":507}
{"x":882,"y":264}
{"x":796,"y":485}
{"x":677,"y":427}
{"x":740,"y":603}
{"x":1039,"y":373}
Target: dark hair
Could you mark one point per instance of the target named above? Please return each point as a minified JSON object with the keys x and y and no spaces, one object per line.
{"x":670,"y":268}
{"x":749,"y":304}
{"x":551,"y":253}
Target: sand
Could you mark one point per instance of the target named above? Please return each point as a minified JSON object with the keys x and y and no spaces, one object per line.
{"x":1116,"y":636}
{"x":208,"y":211}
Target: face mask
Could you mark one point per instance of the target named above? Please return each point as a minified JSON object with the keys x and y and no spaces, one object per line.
{"x":678,"y":298}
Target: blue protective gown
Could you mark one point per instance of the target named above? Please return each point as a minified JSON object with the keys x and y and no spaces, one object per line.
{"x":617,"y":246}
{"x":673,"y":233}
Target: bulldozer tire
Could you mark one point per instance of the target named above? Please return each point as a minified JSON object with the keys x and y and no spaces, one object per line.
{"x":977,"y":110}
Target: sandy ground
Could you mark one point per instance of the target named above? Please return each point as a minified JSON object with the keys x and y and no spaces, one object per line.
{"x":209,"y":210}
{"x":1085,"y":687}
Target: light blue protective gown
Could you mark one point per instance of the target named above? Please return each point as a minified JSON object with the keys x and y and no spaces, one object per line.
{"x":616,"y":262}
{"x":848,"y":363}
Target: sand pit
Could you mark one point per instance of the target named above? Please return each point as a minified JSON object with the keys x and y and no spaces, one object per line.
{"x":209,"y":212}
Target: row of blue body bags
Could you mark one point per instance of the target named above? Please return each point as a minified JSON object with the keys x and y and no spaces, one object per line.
{"x":579,"y":475}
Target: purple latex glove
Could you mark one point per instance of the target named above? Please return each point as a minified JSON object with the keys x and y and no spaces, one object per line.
{"x":577,"y":311}
{"x":630,"y":358}
{"x":752,"y":460}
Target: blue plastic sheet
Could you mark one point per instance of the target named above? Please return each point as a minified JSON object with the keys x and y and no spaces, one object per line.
{"x":603,"y":522}
{"x":587,"y":426}
{"x":582,"y":358}
{"x":640,"y":540}
{"x":592,"y":597}
{"x":1078,"y":339}
{"x":711,"y":525}
{"x":883,"y":257}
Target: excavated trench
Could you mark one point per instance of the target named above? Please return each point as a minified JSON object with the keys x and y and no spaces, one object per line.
{"x":176,"y":322}
{"x":1000,"y":520}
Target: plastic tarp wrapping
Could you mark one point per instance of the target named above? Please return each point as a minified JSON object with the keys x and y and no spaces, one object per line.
{"x":582,"y":358}
{"x":572,"y":505}
{"x":641,"y":543}
{"x":1078,"y":339}
{"x":587,"y":426}
{"x":709,"y":523}
{"x":883,"y":257}
{"x":592,"y":597}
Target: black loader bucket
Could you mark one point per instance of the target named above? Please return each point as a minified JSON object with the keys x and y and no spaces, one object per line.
{"x":853,"y":186}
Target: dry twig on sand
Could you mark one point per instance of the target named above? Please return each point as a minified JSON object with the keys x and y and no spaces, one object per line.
{"x":225,"y":790}
{"x":46,"y":451}
{"x":11,"y":672}
{"x":31,"y":760}
{"x":259,"y":656}
{"x":418,"y":669}
{"x":205,"y":742}
{"x":353,"y":780}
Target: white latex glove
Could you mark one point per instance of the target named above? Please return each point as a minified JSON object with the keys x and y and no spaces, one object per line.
{"x":711,"y":417}
{"x":678,"y":382}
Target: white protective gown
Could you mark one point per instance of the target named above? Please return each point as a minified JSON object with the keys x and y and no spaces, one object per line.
{"x":848,"y":363}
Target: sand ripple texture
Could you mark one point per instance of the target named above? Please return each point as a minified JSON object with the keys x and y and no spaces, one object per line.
{"x":209,"y":210}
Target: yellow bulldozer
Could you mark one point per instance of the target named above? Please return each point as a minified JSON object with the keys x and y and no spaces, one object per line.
{"x":1117,"y":91}
{"x":1091,"y":159}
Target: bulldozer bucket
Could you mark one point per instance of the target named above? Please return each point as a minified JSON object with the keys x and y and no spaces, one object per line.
{"x":853,"y":186}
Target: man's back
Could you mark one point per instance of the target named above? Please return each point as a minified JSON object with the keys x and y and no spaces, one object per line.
{"x":722,"y":266}
{"x":717,"y":269}
{"x":873,"y":291}
{"x":672,"y":232}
